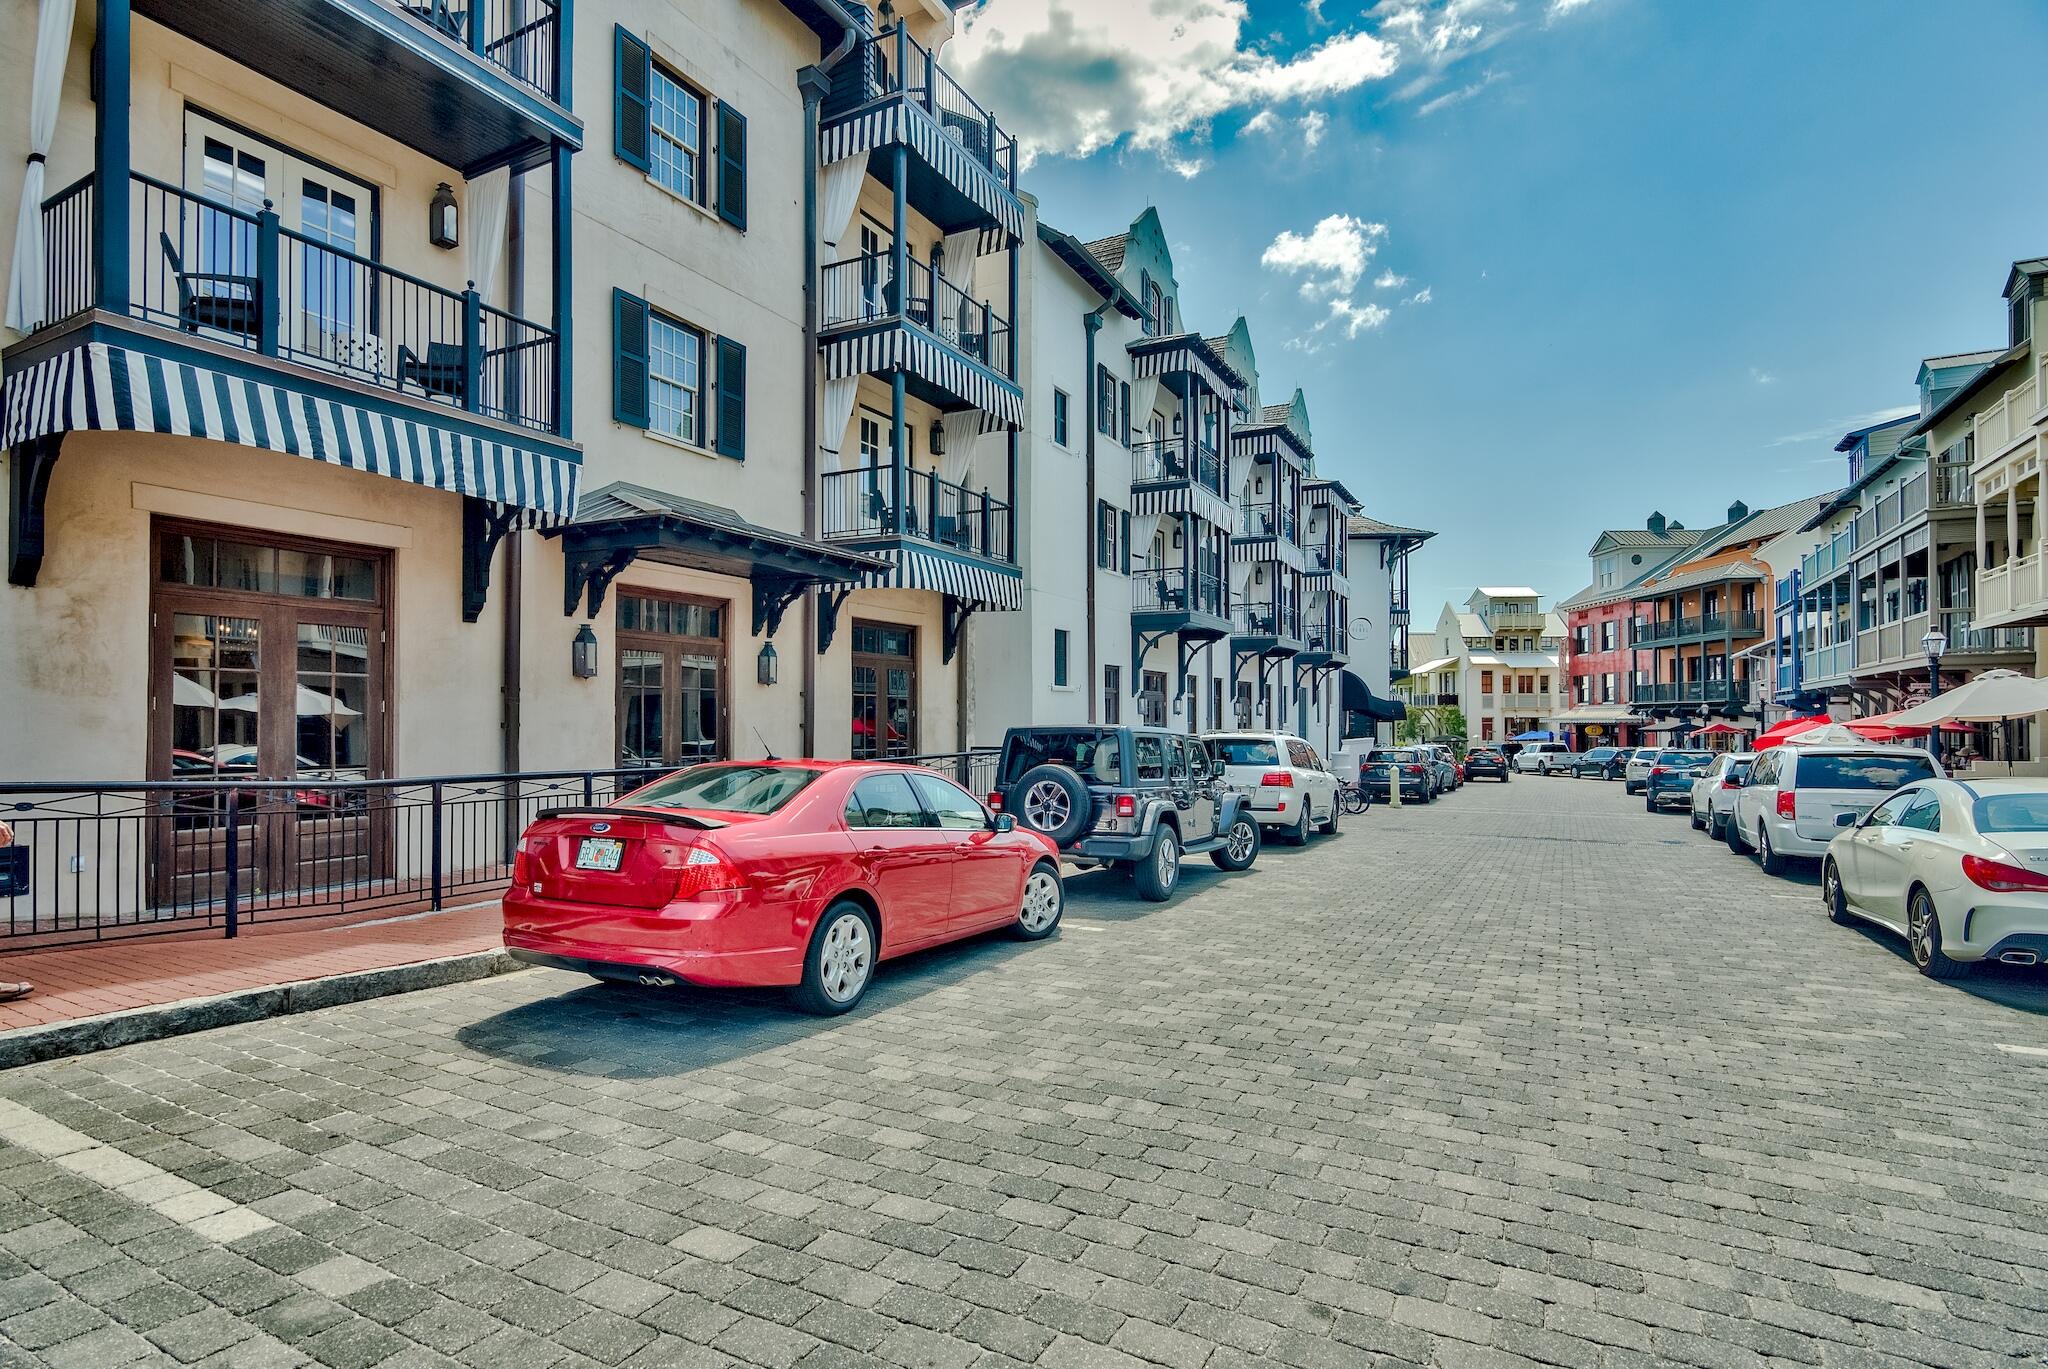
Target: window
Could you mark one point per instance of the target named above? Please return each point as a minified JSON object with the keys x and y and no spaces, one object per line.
{"x":760,"y":789}
{"x":1112,"y":404}
{"x":1149,"y":754}
{"x":1892,"y":809}
{"x":1486,"y":682}
{"x":677,"y":149}
{"x":870,"y":441}
{"x":1925,"y":814}
{"x":885,"y":801}
{"x":1216,"y":701}
{"x":1059,"y":658}
{"x":1060,"y":404}
{"x":1112,"y":694}
{"x":955,"y":809}
{"x":675,"y":379}
{"x":1111,"y":528}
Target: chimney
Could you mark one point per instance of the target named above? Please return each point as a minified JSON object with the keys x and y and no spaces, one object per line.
{"x":1656,"y":524}
{"x":1737,"y":511}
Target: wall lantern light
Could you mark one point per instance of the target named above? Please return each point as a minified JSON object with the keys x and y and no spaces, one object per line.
{"x":938,"y":438}
{"x":768,"y":669}
{"x":583,"y":654}
{"x":443,"y":217}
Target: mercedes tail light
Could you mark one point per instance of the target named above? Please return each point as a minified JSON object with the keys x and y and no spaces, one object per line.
{"x":2002,"y":878}
{"x":1788,"y":804}
{"x":1277,"y":779}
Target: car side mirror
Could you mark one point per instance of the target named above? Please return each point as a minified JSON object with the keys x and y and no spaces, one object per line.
{"x":1005,"y":822}
{"x":1846,"y":819}
{"x":1699,"y":772}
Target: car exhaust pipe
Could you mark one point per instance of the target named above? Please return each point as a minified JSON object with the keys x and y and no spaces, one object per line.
{"x":2020,"y":958}
{"x":658,"y":981}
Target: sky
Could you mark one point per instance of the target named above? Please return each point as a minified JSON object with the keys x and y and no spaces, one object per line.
{"x":1543,"y":266}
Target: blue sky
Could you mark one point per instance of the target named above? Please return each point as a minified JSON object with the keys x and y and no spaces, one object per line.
{"x":1636,"y":254}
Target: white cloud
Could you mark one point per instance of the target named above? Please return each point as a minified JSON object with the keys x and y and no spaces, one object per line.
{"x":1761,"y":376}
{"x":1421,"y":296}
{"x":1833,"y":429}
{"x":1313,"y":125}
{"x":1265,"y":121}
{"x":1331,"y":260}
{"x":1389,"y":281}
{"x":1461,"y":94}
{"x":1560,"y":8}
{"x":1075,"y":76}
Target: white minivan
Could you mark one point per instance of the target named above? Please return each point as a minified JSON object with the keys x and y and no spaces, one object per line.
{"x":1789,"y":804}
{"x":1291,"y":789}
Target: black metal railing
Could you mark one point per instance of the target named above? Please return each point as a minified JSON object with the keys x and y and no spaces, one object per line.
{"x":1267,"y":618}
{"x":863,"y":290}
{"x":108,"y":860}
{"x":859,"y":503}
{"x":1162,"y":460}
{"x":1164,"y":589}
{"x":1740,"y":624}
{"x":974,"y":771}
{"x":1257,"y":520}
{"x":1692,"y":692}
{"x":239,"y":277}
{"x":522,"y":38}
{"x":69,"y":276}
{"x":893,"y":64}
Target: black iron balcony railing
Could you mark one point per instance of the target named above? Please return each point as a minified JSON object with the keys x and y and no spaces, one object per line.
{"x":1257,"y":520}
{"x":1325,"y":636}
{"x":857,"y":504}
{"x":1290,"y":525}
{"x":1740,"y":624}
{"x":241,"y":278}
{"x":1163,"y":589}
{"x":1162,"y":460}
{"x":519,"y":37}
{"x":863,"y":290}
{"x":1693,"y":692}
{"x":894,"y":64}
{"x":1267,"y":619}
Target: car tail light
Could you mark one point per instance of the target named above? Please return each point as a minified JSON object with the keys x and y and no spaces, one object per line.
{"x":1277,"y":779}
{"x":995,"y":801}
{"x":705,"y":870}
{"x":1788,"y":804}
{"x":1127,"y":805}
{"x":529,"y":850}
{"x":2001,"y":878}
{"x":1657,"y":770}
{"x":1728,"y":782}
{"x":1415,"y":770}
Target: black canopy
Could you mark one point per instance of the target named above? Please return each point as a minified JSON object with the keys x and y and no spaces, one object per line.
{"x":1359,"y":698}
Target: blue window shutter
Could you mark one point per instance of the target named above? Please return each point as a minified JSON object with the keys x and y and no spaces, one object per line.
{"x":1126,"y":540}
{"x":629,"y":359}
{"x":732,"y":165}
{"x":1123,"y":390}
{"x":632,"y":90}
{"x":732,"y":399}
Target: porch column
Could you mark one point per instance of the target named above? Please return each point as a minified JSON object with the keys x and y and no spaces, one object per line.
{"x":2012,"y":522}
{"x":111,"y":156}
{"x":1983,"y":549}
{"x":564,"y":295}
{"x":899,"y":272}
{"x":899,"y":471}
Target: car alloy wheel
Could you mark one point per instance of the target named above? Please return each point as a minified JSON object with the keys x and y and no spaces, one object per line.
{"x":1832,"y":894}
{"x":1238,"y":845}
{"x":1041,"y":906}
{"x":1046,"y":806}
{"x":1166,"y":863}
{"x":847,"y":958}
{"x":1923,"y":934}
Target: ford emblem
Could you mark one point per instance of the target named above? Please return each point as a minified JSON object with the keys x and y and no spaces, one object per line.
{"x":600,"y":827}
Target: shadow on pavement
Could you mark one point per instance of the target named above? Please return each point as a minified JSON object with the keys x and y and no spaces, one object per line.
{"x":2021,"y":988}
{"x":628,"y":1031}
{"x":1111,"y":896}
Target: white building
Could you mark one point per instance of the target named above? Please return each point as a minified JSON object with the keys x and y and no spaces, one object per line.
{"x":1378,"y":573}
{"x":1496,"y":661}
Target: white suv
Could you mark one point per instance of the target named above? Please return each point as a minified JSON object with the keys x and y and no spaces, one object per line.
{"x":1539,"y":757}
{"x":1290,"y":787}
{"x":1788,"y":805}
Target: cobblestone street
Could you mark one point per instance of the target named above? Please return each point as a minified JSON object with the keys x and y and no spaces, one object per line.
{"x":1523,"y":1076}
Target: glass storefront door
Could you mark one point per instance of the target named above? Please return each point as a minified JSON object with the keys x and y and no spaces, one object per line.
{"x":884,"y":691}
{"x":672,"y":685}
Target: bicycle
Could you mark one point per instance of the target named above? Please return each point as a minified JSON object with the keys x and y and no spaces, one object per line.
{"x":1354,"y":798}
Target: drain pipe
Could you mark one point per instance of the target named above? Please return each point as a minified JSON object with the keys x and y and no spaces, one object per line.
{"x":1091,"y":324}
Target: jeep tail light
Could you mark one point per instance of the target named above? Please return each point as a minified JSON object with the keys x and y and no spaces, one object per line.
{"x":1788,"y":804}
{"x":2002,"y":878}
{"x":1127,"y":805}
{"x":995,"y":801}
{"x":1277,"y":779}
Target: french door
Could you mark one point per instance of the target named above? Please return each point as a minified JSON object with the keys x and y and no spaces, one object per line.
{"x":267,"y":663}
{"x":672,"y":681}
{"x":884,"y":691}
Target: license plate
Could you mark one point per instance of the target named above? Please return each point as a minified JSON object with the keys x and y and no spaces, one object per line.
{"x":600,"y":853}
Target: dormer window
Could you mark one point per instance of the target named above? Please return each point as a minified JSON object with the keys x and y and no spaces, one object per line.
{"x":2022,"y":327}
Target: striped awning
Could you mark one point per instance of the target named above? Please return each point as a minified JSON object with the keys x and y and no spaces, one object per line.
{"x":1182,"y":497}
{"x":98,"y":387}
{"x":1151,"y":359}
{"x":976,"y":582}
{"x":899,"y":121}
{"x":1279,"y":549}
{"x":898,"y":346}
{"x":1267,"y":441}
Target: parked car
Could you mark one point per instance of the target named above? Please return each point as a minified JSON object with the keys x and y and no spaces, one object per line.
{"x":1289,"y":786}
{"x":798,"y":873}
{"x":1448,"y":775}
{"x":1418,"y":782}
{"x":1960,"y":870}
{"x":1536,"y":758}
{"x":1601,"y":763}
{"x":1671,"y":778}
{"x":1486,"y":762}
{"x":1135,"y":798}
{"x":1637,"y":768}
{"x":1789,"y":804}
{"x":1713,"y":794}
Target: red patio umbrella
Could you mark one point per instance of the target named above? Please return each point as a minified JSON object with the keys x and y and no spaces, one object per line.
{"x":1717,"y":730}
{"x":1880,"y":727}
{"x":1789,"y":728}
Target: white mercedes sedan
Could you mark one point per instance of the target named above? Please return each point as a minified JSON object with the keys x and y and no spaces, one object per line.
{"x":1958,"y":868}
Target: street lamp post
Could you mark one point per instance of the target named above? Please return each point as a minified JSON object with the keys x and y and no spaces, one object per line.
{"x":1934,"y":644}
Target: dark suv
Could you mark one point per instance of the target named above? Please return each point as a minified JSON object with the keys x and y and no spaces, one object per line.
{"x":1133,"y":797}
{"x":1487,"y":761}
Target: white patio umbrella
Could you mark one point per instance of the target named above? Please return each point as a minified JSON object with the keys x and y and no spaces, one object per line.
{"x":187,"y":692}
{"x":1994,"y":696}
{"x":1831,"y":734}
{"x":311,"y":703}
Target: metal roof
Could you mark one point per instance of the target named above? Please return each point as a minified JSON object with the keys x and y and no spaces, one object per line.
{"x":1361,"y":526}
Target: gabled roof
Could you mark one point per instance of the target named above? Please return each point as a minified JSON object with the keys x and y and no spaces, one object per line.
{"x":1631,"y":539}
{"x":1090,"y":269}
{"x":1509,"y":592}
{"x":1109,"y":251}
{"x":1276,"y":413}
{"x":1361,"y":526}
{"x":1850,"y":439}
{"x":1715,"y":572}
{"x":1765,"y":524}
{"x":1970,"y":388}
{"x":2032,"y":266}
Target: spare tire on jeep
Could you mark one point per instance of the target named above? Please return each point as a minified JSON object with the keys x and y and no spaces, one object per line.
{"x":1052,"y":799}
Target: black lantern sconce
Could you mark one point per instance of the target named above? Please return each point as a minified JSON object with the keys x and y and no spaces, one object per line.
{"x":443,"y":218}
{"x":938,"y":445}
{"x":768,"y":668}
{"x":583,"y":654}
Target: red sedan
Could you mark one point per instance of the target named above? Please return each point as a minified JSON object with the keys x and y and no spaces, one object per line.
{"x":756,"y":873}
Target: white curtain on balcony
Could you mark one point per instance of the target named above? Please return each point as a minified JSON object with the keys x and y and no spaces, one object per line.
{"x":490,"y":203}
{"x":962,"y":431}
{"x":960,"y":250}
{"x":26,"y":298}
{"x":842,"y":182}
{"x":838,"y":412}
{"x":1144,"y":394}
{"x":1143,"y":527}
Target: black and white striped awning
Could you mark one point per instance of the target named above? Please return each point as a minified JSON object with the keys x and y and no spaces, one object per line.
{"x":1279,"y":549}
{"x":98,"y":387}
{"x":975,"y":582}
{"x":1250,"y":444}
{"x":1152,"y":358}
{"x":898,"y":346}
{"x":898,"y":121}
{"x":1183,"y":497}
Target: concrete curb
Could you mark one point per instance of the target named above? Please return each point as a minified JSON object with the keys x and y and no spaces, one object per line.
{"x":82,"y":1036}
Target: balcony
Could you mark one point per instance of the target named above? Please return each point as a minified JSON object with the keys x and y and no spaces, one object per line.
{"x":2011,"y":594}
{"x":860,"y":293}
{"x":1966,"y":640}
{"x":1166,"y":461}
{"x":1425,"y":700}
{"x":891,"y":100}
{"x":1267,"y":627}
{"x":1669,"y":631}
{"x":1175,"y":590}
{"x":1893,"y":511}
{"x":1692,"y":692}
{"x":1827,"y":665}
{"x":1830,"y":559}
{"x":2005,"y":426}
{"x":1325,"y":638}
{"x":858,"y":506}
{"x":1951,"y":486}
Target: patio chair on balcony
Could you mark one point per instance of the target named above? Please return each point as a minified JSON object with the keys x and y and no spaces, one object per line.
{"x":442,"y":372}
{"x":969,"y":130}
{"x":232,"y":307}
{"x":1172,"y":597}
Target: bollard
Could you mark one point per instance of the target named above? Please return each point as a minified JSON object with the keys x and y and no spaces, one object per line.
{"x":1394,"y":785}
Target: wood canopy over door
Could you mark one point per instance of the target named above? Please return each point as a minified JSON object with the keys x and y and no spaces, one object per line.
{"x":674,"y":695}
{"x":884,"y":691}
{"x":268,"y":661}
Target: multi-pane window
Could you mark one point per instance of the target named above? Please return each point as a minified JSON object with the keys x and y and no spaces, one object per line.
{"x":1109,"y":535}
{"x":870,"y":441}
{"x":675,"y":379}
{"x":677,"y":148}
{"x":1060,"y":653}
{"x":1112,"y":694}
{"x":1060,"y":405}
{"x":1610,"y":635}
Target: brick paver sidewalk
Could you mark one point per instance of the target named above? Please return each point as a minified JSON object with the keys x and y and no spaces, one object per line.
{"x":85,"y":981}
